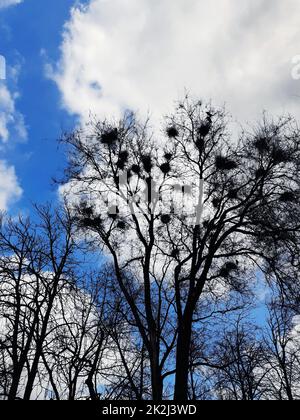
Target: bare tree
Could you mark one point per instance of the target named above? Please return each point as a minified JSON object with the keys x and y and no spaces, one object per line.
{"x":243,"y":356}
{"x":283,"y":349}
{"x":184,"y":225}
{"x":229,"y":208}
{"x":82,"y":354}
{"x":64,"y":330}
{"x":76,"y":343}
{"x":36,"y":262}
{"x":151,"y":301}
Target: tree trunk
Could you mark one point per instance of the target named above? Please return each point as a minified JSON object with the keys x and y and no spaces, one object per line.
{"x":12,"y":395}
{"x":32,"y":375}
{"x":89,"y":383}
{"x":183,"y":359}
{"x":288,"y":387}
{"x":39,"y":345}
{"x":156,"y":380}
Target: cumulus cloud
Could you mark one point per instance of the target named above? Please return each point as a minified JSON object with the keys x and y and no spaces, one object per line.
{"x":6,"y":3}
{"x":141,"y":54}
{"x":11,"y":121}
{"x":10,"y":190}
{"x":12,"y":126}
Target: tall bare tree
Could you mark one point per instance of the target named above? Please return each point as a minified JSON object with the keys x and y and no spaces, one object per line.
{"x":64,"y":332}
{"x":36,"y":262}
{"x":191,"y":212}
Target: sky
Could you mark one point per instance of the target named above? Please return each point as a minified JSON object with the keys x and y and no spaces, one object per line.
{"x":66,"y":59}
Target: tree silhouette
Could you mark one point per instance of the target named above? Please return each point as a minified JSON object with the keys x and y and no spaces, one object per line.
{"x":184,"y":214}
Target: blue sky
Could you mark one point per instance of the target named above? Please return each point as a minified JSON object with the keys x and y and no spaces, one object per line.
{"x":25,"y":31}
{"x":135,"y":54}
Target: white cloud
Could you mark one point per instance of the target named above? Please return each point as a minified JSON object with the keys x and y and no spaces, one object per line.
{"x":11,"y":127}
{"x":11,"y":121}
{"x":10,"y":190}
{"x":7,"y":109}
{"x":141,"y":54}
{"x":6,"y":3}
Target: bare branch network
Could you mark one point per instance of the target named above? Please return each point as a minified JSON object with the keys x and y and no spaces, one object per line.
{"x":188,"y":226}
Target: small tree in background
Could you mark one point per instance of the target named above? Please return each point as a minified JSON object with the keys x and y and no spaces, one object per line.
{"x":59,"y":321}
